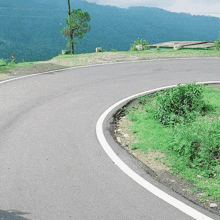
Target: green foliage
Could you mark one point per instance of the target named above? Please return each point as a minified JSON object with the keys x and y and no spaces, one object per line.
{"x":143,"y":99}
{"x":191,"y":148}
{"x":66,"y":51}
{"x":3,"y":62}
{"x":198,"y":145}
{"x":7,"y":62}
{"x":217,"y":43}
{"x":113,"y":50}
{"x":180,"y":104}
{"x":98,"y":49}
{"x":77,"y":27}
{"x":139,"y":42}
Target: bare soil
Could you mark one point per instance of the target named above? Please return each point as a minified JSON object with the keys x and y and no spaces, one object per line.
{"x":40,"y":67}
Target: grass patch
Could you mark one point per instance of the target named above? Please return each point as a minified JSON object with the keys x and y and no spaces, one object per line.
{"x":117,"y":56}
{"x":67,"y":60}
{"x":191,"y":147}
{"x":4,"y":66}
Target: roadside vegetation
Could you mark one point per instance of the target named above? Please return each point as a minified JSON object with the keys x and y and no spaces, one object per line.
{"x":131,"y":55}
{"x":9,"y":67}
{"x":184,"y":124}
{"x":143,"y":43}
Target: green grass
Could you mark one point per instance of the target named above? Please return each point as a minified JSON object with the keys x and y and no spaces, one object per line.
{"x":8,"y":66}
{"x":152,"y":135}
{"x":113,"y":56}
{"x":152,"y":53}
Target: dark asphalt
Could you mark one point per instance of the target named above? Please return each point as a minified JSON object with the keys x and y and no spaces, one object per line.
{"x":52,"y":165}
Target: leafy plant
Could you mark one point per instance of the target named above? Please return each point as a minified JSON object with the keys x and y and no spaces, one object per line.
{"x":179,"y":104}
{"x":3,"y":62}
{"x":65,"y":51}
{"x":139,"y":42}
{"x":192,"y":148}
{"x":198,"y":145}
{"x":217,"y":43}
{"x":113,"y":50}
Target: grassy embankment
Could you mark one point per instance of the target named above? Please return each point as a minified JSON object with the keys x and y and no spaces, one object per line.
{"x":6,"y":69}
{"x":189,"y":148}
{"x":61,"y":61}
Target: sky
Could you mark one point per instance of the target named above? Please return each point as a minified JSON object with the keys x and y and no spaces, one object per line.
{"x":194,"y":7}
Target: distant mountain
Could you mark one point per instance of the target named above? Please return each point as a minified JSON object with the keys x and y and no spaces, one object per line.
{"x":31,"y":29}
{"x":30,"y":4}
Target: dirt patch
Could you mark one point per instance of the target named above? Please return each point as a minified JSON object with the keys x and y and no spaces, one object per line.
{"x":154,"y":163}
{"x":35,"y":68}
{"x":61,"y":62}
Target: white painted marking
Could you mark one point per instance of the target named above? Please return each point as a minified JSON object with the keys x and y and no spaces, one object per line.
{"x":99,"y":132}
{"x":102,"y":64}
{"x":148,"y":186}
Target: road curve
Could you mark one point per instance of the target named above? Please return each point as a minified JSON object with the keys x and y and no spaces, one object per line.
{"x":52,"y":165}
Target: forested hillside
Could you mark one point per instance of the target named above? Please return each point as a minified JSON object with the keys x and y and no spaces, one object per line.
{"x":31,"y":29}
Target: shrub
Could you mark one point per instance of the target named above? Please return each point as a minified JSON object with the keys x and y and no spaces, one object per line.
{"x":180,"y":104}
{"x":139,"y":42}
{"x":66,"y":51}
{"x":217,"y":43}
{"x":198,"y":145}
{"x":113,"y":50}
{"x":3,"y":62}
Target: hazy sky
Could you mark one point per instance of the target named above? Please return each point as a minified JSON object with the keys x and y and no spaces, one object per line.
{"x":195,"y":7}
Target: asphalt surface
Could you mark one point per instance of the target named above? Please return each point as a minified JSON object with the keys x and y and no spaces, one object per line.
{"x":52,"y":165}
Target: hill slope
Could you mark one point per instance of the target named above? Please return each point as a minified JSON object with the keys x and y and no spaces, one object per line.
{"x":31,"y":30}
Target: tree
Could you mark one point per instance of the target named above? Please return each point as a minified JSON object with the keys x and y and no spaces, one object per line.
{"x":77,"y":26}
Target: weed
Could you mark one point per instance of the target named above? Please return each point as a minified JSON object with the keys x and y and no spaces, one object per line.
{"x":139,"y":42}
{"x":217,"y":43}
{"x":198,"y":145}
{"x":3,"y":62}
{"x":192,"y":147}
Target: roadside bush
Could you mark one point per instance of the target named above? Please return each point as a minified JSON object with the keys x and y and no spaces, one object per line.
{"x":66,"y":51}
{"x":139,"y":42}
{"x":217,"y":43}
{"x":113,"y":50}
{"x":198,"y":145}
{"x":3,"y":62}
{"x":180,"y":104}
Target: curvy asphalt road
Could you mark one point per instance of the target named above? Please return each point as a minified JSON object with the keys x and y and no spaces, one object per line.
{"x":51,"y":163}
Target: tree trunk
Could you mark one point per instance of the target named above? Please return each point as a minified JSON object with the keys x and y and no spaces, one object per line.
{"x":71,"y":34}
{"x":69,"y":9}
{"x":72,"y":48}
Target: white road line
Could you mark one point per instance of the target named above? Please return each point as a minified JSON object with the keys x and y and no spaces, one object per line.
{"x":99,"y":132}
{"x":148,"y":186}
{"x":102,"y":64}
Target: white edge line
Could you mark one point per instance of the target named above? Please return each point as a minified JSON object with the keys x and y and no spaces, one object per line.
{"x":102,"y":64}
{"x":100,"y":135}
{"x":148,"y":186}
